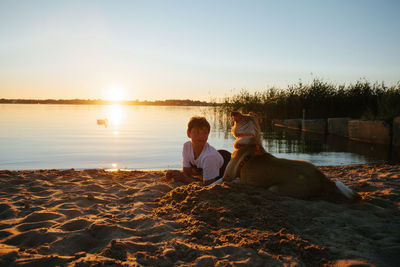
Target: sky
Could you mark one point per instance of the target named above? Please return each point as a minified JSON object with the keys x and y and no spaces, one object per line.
{"x":200,"y":50}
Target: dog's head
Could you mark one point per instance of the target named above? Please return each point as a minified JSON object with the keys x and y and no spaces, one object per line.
{"x":245,"y":125}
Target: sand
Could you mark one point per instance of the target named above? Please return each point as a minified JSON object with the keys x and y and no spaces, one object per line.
{"x":99,"y":218}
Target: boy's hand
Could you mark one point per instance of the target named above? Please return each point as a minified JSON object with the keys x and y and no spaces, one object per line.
{"x":173,"y":175}
{"x":178,"y":176}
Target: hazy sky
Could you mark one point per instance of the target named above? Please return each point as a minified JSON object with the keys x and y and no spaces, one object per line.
{"x":165,"y":49}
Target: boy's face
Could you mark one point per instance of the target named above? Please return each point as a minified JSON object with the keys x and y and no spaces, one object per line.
{"x":198,"y":136}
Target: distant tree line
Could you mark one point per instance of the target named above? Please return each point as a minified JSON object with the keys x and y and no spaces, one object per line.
{"x":319,"y":99}
{"x":170,"y":102}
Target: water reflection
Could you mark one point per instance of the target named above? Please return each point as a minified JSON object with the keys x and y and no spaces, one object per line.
{"x":320,"y":149}
{"x":114,"y":117}
{"x":292,"y":141}
{"x":114,"y":112}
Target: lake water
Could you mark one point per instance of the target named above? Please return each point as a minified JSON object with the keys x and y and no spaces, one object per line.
{"x":146,"y":137}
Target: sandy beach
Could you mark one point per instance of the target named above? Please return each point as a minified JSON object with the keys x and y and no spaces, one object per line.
{"x":97,"y":218}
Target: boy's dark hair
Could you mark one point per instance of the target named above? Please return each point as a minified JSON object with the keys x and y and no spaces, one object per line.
{"x":199,"y":122}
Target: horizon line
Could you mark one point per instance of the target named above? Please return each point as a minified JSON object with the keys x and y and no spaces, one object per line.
{"x":103,"y":101}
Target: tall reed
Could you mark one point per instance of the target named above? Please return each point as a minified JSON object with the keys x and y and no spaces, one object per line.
{"x":319,"y":99}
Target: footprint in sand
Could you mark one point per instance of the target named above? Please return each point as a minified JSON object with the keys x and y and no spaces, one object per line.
{"x":70,"y":213}
{"x":41,"y":216}
{"x":6,"y":211}
{"x":34,"y":238}
{"x":138,"y":223}
{"x":75,"y":225}
{"x":30,"y":226}
{"x":93,"y":188}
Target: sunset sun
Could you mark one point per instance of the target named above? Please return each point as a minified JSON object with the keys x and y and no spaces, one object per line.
{"x":115,"y":94}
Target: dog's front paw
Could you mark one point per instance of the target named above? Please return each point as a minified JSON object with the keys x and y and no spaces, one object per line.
{"x":228,"y":179}
{"x":219,"y":181}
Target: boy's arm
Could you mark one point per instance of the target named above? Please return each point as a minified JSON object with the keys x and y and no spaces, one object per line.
{"x":211,"y":169}
{"x":182,"y":176}
{"x":187,"y":175}
{"x":187,"y":171}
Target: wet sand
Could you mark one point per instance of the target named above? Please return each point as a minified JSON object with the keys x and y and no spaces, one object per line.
{"x":97,"y":218}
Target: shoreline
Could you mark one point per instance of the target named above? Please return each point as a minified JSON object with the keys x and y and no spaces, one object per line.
{"x":389,"y":163}
{"x":92,"y":216}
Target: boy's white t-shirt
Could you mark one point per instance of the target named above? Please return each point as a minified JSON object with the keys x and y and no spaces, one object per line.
{"x":210,"y":160}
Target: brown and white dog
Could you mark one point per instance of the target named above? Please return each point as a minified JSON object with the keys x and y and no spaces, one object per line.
{"x":286,"y":177}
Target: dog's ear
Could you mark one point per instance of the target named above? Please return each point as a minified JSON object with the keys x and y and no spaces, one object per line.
{"x":236,"y":115}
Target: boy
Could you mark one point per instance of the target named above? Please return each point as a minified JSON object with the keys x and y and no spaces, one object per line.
{"x":199,"y":157}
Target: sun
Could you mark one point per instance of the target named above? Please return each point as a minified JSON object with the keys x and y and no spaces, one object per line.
{"x":115,"y":94}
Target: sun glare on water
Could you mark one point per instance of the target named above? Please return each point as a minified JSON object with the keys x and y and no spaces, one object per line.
{"x":115,"y":115}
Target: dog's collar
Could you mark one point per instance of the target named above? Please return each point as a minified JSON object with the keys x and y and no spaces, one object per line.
{"x":247,"y":158}
{"x":236,"y":145}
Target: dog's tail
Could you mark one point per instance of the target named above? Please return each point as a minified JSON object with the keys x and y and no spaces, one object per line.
{"x":336,"y":190}
{"x":347,"y":192}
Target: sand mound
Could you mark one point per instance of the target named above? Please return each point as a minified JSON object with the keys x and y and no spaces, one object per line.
{"x":93,"y":217}
{"x":241,"y":221}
